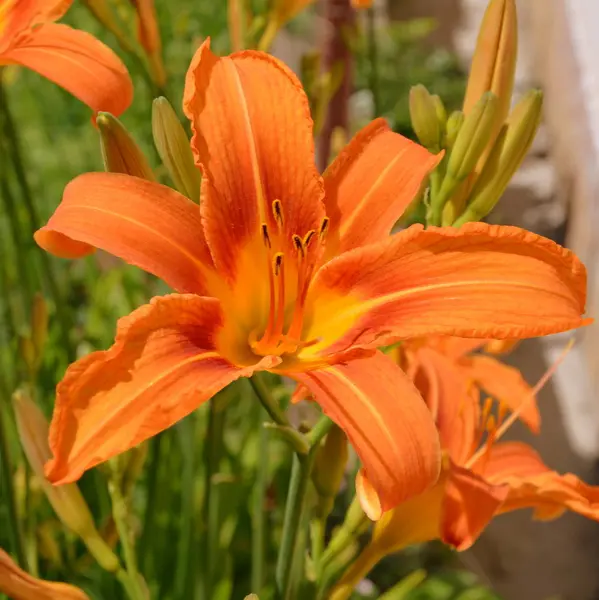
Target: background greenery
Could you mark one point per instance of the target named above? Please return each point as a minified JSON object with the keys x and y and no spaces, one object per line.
{"x":189,"y":545}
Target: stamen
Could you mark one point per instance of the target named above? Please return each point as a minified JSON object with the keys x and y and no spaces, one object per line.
{"x":516,"y":414}
{"x":308,"y":238}
{"x":299,"y":245}
{"x":277,"y":213}
{"x":265,"y":236}
{"x":280,"y":275}
{"x":324,"y":227}
{"x":277,"y":263}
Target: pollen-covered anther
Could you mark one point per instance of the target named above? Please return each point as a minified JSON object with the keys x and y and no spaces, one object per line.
{"x":277,"y":263}
{"x":265,"y":236}
{"x":324,"y":227}
{"x":277,"y":213}
{"x":308,"y":238}
{"x":299,"y":245}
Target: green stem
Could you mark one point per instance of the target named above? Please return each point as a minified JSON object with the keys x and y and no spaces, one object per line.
{"x":269,"y":403}
{"x":296,"y":500}
{"x":317,"y":538}
{"x":272,"y":27}
{"x":34,"y":220}
{"x":296,"y":496}
{"x":120,"y":514}
{"x":211,"y":521}
{"x":150,"y":512}
{"x":259,"y":512}
{"x":11,"y":502}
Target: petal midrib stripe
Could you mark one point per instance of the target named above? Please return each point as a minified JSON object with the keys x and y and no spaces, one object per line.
{"x":195,"y":259}
{"x":364,"y":306}
{"x":110,"y":415}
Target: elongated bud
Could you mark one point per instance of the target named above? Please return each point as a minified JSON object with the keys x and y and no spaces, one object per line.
{"x":238,"y":18}
{"x":173,"y":146}
{"x":120,"y":152}
{"x":148,"y":34}
{"x":329,"y":468}
{"x":494,"y":63}
{"x":454,"y":124}
{"x":473,"y":137}
{"x":19,"y":585}
{"x":440,"y":110}
{"x":507,"y":155}
{"x":66,"y":500}
{"x":424,"y":116}
{"x":104,"y":15}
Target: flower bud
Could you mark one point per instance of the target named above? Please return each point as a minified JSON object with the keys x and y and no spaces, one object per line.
{"x":104,"y":15}
{"x":120,"y":152}
{"x":494,"y":63}
{"x":148,"y":34}
{"x":452,"y":128}
{"x":440,"y":110}
{"x":424,"y":116}
{"x":473,"y":137}
{"x":66,"y":500}
{"x":329,"y":468}
{"x":173,"y":147}
{"x":506,"y":156}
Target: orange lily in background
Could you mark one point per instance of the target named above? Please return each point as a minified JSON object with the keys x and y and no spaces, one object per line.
{"x":445,"y":366}
{"x":478,"y":481}
{"x":19,"y":585}
{"x":73,"y":59}
{"x":283,"y":270}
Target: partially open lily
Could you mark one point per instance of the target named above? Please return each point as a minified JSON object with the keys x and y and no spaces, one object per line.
{"x":478,"y":481}
{"x":19,"y":585}
{"x":446,"y":368}
{"x":283,"y":270}
{"x":73,"y":59}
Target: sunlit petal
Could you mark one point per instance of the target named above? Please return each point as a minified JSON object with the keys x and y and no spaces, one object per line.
{"x":146,"y":224}
{"x":386,"y":421}
{"x":370,"y":184}
{"x":163,"y":365}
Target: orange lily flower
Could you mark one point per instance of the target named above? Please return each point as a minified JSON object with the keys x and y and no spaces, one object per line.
{"x":447,"y":366}
{"x":19,"y":585}
{"x":283,"y":270}
{"x":477,"y":482}
{"x":73,"y":59}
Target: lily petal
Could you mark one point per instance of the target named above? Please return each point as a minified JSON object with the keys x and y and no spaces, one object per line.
{"x":146,"y":224}
{"x":446,"y":391}
{"x":506,"y":384}
{"x":469,"y":504}
{"x":76,"y":61}
{"x":370,"y":184}
{"x":534,"y":485}
{"x":386,"y":421}
{"x":162,"y":366}
{"x":19,"y":585}
{"x":481,"y":281}
{"x":252,"y":136}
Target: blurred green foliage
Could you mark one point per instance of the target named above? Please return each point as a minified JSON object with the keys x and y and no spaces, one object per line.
{"x":188,"y":545}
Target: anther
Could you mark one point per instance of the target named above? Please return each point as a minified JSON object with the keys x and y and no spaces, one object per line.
{"x":308,"y":238}
{"x":265,"y":236}
{"x":299,"y":245}
{"x":277,"y":212}
{"x":324,"y":227}
{"x":277,"y":263}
